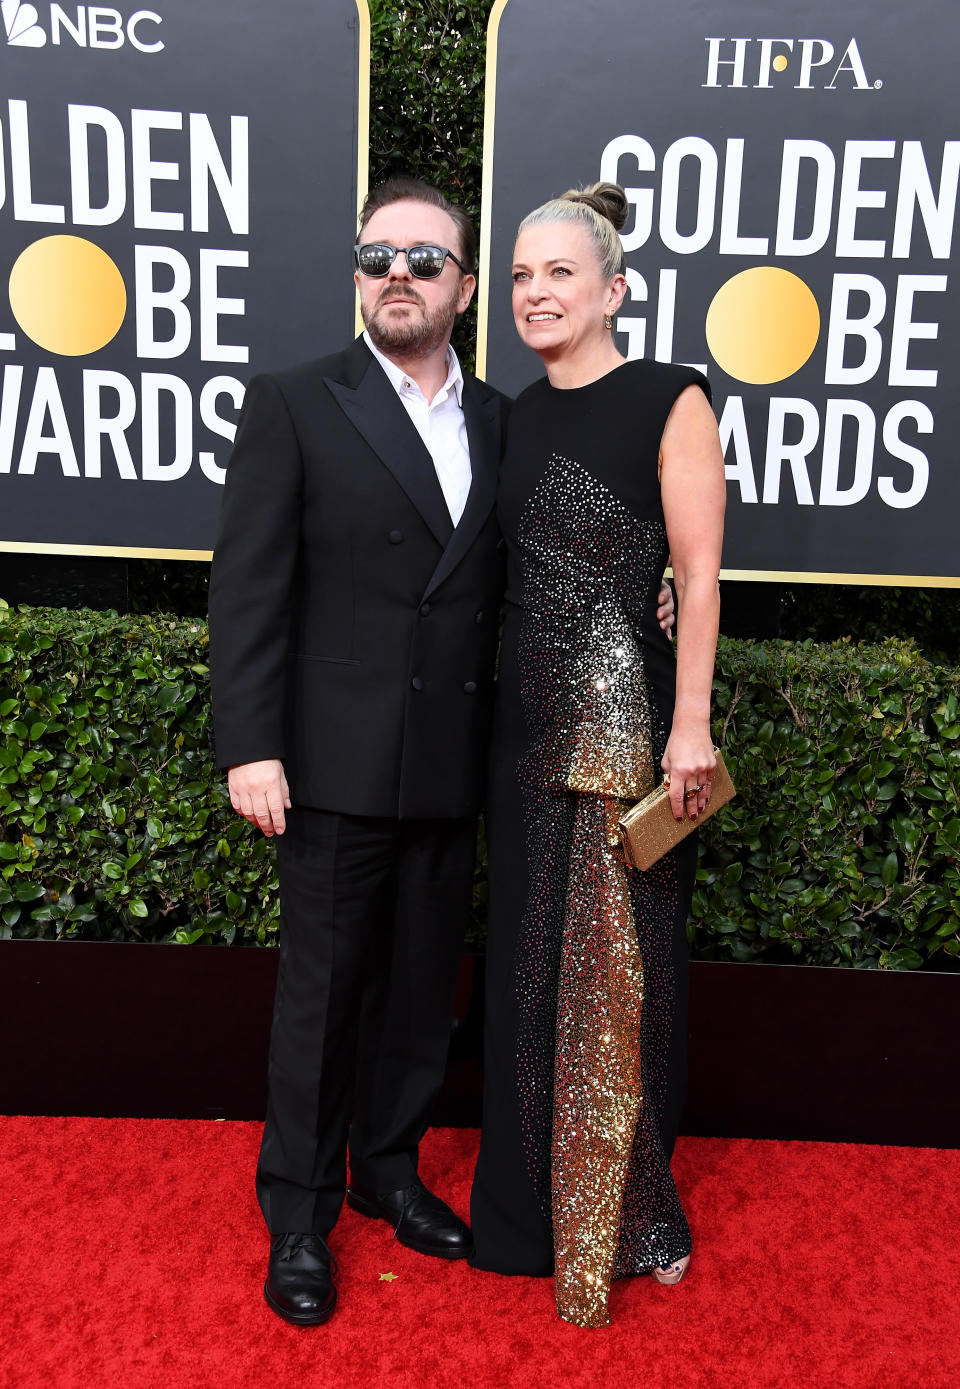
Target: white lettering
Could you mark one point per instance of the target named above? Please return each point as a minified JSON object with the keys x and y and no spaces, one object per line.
{"x":733,"y":429}
{"x":715,"y":62}
{"x":635,"y":329}
{"x":788,"y":243}
{"x":843,"y":326}
{"x":666,"y":301}
{"x":59,"y":20}
{"x":895,"y":446}
{"x":853,"y":197}
{"x":705,"y":156}
{"x":227,"y":429}
{"x":97,"y":427}
{"x":915,"y":190}
{"x":212,"y":306}
{"x":24,"y":208}
{"x":80,"y":120}
{"x":766,"y":53}
{"x":640,"y":198}
{"x":808,"y":62}
{"x":831,"y":493}
{"x":207,"y":164}
{"x":780,"y":452}
{"x":151,"y":300}
{"x":153,"y":386}
{"x":9,"y":411}
{"x":850,"y":62}
{"x":105,"y":28}
{"x":731,"y":242}
{"x":147,"y":171}
{"x":46,"y":401}
{"x":905,"y":329}
{"x":143,"y":17}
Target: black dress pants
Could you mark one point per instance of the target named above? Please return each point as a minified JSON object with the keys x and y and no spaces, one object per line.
{"x":372,"y":917}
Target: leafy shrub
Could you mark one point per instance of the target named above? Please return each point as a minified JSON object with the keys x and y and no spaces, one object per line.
{"x":828,"y":612}
{"x":115,"y":824}
{"x":842,"y":847}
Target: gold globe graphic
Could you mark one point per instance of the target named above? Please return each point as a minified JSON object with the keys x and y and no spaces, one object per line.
{"x":67,"y":295}
{"x":762,"y":325}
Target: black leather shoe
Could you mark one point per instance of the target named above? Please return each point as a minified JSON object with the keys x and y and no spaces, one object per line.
{"x":299,"y":1284}
{"x":420,"y":1220}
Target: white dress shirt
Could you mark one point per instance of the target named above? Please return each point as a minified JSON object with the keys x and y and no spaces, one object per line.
{"x":440,"y":424}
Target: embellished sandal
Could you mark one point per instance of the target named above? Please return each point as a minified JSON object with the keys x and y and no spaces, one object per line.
{"x":670,"y":1274}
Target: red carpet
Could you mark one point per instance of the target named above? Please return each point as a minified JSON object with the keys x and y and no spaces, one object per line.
{"x":133,"y":1256}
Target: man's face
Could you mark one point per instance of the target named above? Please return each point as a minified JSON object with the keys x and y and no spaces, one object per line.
{"x":404,"y":316}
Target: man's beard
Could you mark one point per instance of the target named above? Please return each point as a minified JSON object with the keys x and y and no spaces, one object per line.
{"x":411,"y":336}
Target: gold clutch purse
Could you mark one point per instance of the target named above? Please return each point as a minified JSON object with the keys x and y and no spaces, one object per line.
{"x":648,"y":829}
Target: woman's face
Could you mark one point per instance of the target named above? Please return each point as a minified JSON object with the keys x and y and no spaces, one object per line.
{"x":559,"y":295}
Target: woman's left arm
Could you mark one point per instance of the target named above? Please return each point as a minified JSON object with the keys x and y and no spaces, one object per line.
{"x":693,"y":488}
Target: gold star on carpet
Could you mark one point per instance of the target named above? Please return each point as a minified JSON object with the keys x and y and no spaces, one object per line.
{"x":388,"y":1277}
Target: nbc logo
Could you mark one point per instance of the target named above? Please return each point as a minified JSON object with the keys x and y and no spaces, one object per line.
{"x":20,"y":22}
{"x":87,"y":26}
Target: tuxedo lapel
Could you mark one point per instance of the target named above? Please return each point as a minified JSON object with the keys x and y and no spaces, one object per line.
{"x":373,"y":407}
{"x":482,"y":415}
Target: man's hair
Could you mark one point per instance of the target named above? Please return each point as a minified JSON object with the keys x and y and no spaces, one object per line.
{"x":402,"y":187}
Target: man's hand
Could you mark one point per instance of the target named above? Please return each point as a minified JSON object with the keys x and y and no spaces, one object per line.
{"x":259,"y":791}
{"x":666,"y":608}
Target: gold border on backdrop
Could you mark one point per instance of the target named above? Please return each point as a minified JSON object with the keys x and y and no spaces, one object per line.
{"x":483,"y":302}
{"x":789,"y":576}
{"x":778,"y":576}
{"x":42,"y":547}
{"x":486,"y":190}
{"x":363,"y":128}
{"x":39,"y":547}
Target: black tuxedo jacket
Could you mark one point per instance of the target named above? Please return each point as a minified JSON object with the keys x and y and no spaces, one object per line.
{"x":353,"y":629}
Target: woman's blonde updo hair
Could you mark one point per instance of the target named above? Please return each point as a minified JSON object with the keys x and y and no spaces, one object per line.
{"x":601,"y":209}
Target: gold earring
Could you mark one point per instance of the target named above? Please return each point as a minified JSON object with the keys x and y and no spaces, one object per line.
{"x":607,"y":321}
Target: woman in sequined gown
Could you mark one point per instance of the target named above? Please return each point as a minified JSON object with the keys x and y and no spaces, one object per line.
{"x":610,"y":467}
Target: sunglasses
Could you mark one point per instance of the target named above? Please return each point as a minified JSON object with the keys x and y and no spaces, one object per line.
{"x":425,"y":262}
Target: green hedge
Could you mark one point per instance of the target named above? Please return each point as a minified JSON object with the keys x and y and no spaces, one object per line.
{"x":114,"y":823}
{"x":843,"y":845}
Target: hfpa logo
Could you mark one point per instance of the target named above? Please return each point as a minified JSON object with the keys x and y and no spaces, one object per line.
{"x":813,"y":62}
{"x":90,"y":26}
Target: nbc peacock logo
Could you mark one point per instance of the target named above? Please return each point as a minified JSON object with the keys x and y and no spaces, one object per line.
{"x":20,"y":23}
{"x":83,"y":26}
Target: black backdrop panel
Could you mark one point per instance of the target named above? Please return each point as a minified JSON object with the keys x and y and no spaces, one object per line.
{"x":178,"y":194}
{"x":793,"y":180}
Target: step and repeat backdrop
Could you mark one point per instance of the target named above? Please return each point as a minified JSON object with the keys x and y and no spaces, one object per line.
{"x":178,"y":186}
{"x":793,"y":180}
{"x":178,"y":198}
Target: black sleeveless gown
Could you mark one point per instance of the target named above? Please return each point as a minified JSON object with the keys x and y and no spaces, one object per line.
{"x":585,"y":1052}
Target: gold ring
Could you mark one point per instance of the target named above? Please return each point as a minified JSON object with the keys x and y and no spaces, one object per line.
{"x":694,"y":791}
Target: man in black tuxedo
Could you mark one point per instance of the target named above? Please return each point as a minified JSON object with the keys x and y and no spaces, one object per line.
{"x":353,"y":610}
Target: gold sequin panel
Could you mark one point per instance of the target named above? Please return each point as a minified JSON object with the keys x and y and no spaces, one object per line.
{"x":597,"y":1079}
